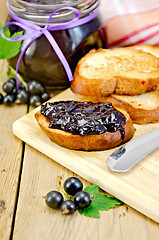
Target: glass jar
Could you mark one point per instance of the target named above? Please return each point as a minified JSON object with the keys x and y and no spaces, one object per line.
{"x":40,"y":61}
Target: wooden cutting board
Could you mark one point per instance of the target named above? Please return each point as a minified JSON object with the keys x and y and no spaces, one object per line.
{"x":138,"y":188}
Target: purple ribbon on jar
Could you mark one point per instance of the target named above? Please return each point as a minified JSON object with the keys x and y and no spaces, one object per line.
{"x":35,"y":31}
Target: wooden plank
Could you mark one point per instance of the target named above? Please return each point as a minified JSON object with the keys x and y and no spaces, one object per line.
{"x":34,"y":220}
{"x":3,"y":11}
{"x":10,"y":155}
{"x":138,"y":188}
{"x":10,"y":163}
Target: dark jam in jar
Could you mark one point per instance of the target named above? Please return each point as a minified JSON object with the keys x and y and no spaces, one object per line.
{"x":84,"y":118}
{"x":40,"y":61}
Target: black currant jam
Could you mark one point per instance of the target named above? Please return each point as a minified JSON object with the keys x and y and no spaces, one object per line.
{"x":40,"y":61}
{"x":83,"y":118}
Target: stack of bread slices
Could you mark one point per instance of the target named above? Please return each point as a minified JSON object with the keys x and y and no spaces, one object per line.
{"x":128,"y":77}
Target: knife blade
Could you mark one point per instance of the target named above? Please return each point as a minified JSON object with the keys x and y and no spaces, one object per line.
{"x":125,"y":157}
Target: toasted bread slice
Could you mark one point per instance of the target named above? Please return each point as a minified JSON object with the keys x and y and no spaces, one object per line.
{"x":142,"y":108}
{"x":154,"y":50}
{"x":106,"y":140}
{"x":121,"y":71}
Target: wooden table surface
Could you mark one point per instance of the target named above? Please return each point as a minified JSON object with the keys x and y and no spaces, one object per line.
{"x":26,"y":175}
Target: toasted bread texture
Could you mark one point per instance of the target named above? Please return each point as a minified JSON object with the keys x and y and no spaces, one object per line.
{"x":154,"y":50}
{"x":106,"y":140}
{"x":123,"y":71}
{"x":142,"y":108}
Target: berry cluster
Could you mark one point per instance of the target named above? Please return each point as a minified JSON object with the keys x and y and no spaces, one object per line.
{"x":72,"y":189}
{"x":34,"y":93}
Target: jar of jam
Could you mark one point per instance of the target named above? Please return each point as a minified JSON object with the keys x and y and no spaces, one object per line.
{"x":40,"y":61}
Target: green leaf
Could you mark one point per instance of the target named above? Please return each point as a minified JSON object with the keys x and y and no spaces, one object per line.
{"x":90,"y":211}
{"x":104,"y":203}
{"x":9,"y":49}
{"x":92,"y":189}
{"x":100,"y":202}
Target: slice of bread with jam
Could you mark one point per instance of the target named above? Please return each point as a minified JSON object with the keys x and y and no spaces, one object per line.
{"x":85,"y":125}
{"x":142,"y":109}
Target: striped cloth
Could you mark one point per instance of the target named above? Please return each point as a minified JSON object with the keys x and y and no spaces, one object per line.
{"x":130,"y":22}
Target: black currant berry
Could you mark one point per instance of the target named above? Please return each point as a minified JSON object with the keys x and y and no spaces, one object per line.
{"x":45,"y":96}
{"x":22,"y":96}
{"x":1,"y":98}
{"x":54,"y":199}
{"x":35,"y":100}
{"x":14,"y":91}
{"x":8,"y":87}
{"x":82,"y":199}
{"x":12,"y":80}
{"x":34,"y":87}
{"x":68,"y":207}
{"x":73,"y":185}
{"x":8,"y":99}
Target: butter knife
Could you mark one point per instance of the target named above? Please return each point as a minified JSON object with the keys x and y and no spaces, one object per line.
{"x":125,"y":157}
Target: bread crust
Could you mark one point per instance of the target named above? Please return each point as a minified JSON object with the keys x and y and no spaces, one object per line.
{"x":106,"y":79}
{"x":103,"y":141}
